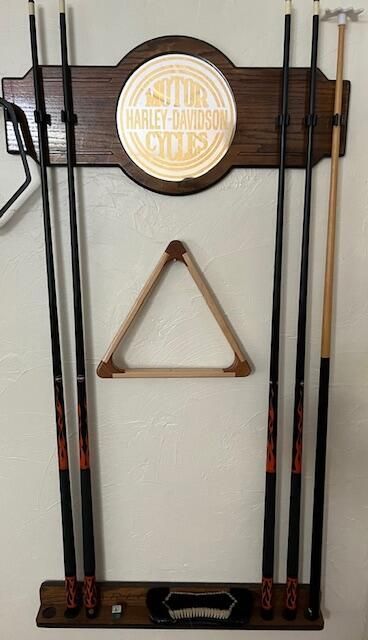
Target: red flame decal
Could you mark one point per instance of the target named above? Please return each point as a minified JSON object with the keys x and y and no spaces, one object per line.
{"x":298,"y":451}
{"x":83,"y":440}
{"x":291,"y":593}
{"x":90,"y":592}
{"x":271,"y":457}
{"x":266,"y":595}
{"x":71,"y":592}
{"x":61,"y":435}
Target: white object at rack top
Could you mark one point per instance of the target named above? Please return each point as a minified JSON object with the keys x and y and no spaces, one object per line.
{"x":343,"y":14}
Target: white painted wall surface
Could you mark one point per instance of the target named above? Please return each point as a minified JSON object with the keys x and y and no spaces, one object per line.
{"x":178,"y":466}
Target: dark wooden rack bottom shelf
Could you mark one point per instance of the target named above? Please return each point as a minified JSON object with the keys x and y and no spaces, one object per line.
{"x":132,"y":596}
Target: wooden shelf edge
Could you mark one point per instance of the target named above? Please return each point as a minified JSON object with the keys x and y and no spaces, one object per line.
{"x":132,"y":595}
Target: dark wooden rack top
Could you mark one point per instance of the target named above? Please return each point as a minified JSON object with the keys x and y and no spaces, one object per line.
{"x":132,"y":597}
{"x":257,"y":93}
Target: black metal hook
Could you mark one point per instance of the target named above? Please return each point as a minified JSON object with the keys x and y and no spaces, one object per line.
{"x":10,"y":112}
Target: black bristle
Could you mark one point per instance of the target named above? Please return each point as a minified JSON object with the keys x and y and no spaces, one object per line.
{"x":231,"y":608}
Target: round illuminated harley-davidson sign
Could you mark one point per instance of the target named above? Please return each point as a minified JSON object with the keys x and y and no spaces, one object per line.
{"x":176,"y":117}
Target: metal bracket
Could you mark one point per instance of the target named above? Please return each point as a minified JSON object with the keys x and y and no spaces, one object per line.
{"x":68,"y":116}
{"x":12,"y":117}
{"x":311,"y":120}
{"x":338,"y":120}
{"x":282,"y":120}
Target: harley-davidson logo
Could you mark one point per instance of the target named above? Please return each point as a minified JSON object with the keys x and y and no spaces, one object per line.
{"x":176,"y":117}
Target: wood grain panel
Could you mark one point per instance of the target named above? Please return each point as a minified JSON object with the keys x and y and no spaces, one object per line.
{"x":257,"y":93}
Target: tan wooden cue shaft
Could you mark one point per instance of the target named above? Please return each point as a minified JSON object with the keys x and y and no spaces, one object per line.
{"x":332,"y":209}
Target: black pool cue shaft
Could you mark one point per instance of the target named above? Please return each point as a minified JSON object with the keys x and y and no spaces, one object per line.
{"x":270,"y":490}
{"x":291,"y":598}
{"x":90,"y":591}
{"x":313,"y":611}
{"x":62,"y":446}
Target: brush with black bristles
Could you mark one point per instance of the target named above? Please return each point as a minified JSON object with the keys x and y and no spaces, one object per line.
{"x":228,"y":608}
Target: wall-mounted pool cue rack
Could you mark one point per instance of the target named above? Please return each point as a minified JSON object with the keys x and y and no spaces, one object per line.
{"x":257,"y":93}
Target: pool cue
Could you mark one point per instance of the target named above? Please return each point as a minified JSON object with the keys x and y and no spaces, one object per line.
{"x":90,"y":596}
{"x":41,"y":118}
{"x":313,"y":610}
{"x":291,"y":591}
{"x":270,"y":489}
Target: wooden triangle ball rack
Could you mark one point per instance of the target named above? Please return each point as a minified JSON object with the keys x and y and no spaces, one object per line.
{"x":175,"y":251}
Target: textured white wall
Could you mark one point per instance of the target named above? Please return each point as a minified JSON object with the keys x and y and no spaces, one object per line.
{"x":178,"y":466}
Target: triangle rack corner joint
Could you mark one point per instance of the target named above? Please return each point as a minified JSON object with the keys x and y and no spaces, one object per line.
{"x":176,"y":251}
